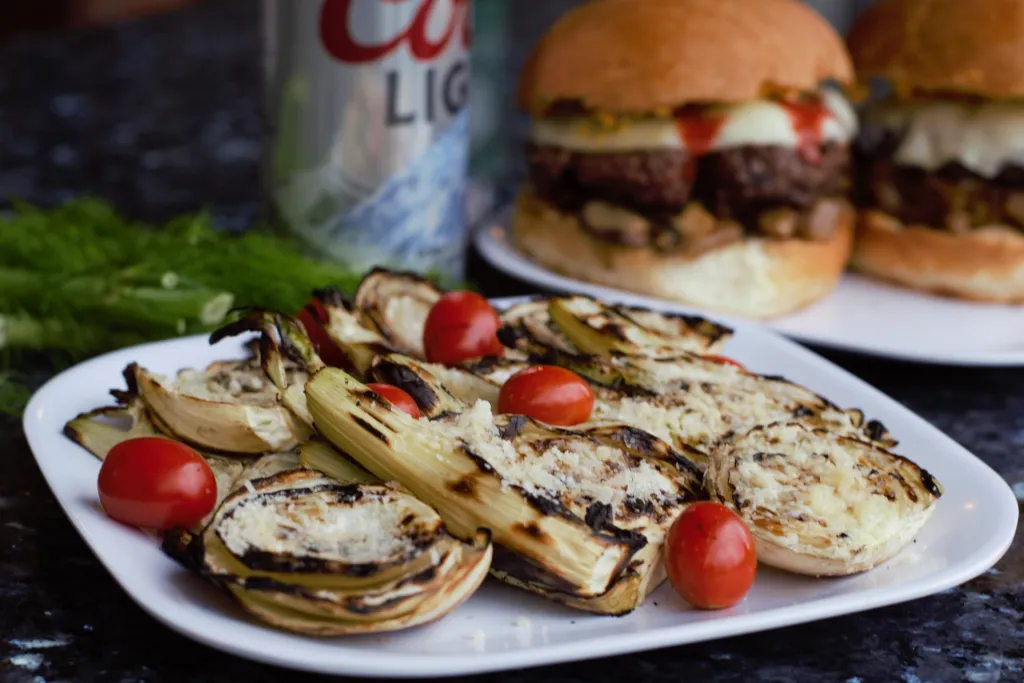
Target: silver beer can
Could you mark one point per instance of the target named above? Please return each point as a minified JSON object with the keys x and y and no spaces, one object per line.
{"x":368,"y":140}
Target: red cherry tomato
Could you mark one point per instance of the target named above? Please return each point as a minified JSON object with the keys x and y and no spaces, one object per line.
{"x":460,"y":326}
{"x":156,"y":483}
{"x":549,"y":394}
{"x":710,"y":556}
{"x":399,"y":398}
{"x":725,"y":360}
{"x":313,"y":317}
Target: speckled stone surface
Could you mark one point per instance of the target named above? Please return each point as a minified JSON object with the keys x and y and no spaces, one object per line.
{"x":161,"y":116}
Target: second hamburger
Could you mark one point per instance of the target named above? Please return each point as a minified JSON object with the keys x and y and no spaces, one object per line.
{"x":942,"y":155}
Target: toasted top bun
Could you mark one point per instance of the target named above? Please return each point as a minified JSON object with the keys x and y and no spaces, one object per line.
{"x":947,"y":46}
{"x":645,"y":56}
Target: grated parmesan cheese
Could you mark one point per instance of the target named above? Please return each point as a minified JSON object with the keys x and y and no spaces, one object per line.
{"x":687,"y":423}
{"x":819,"y":487}
{"x":575,"y":471}
{"x":317,"y":525}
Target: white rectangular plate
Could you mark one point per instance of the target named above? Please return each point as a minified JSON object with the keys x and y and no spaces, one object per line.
{"x":861,"y":315}
{"x":970,"y":530}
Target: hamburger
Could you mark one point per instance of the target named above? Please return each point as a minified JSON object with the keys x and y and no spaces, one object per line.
{"x":688,"y":149}
{"x":941,"y":154}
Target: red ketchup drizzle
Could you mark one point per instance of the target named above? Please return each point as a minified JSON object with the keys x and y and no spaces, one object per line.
{"x":698,"y":132}
{"x":808,"y":117}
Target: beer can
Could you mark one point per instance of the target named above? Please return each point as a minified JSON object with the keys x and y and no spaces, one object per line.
{"x":368,"y":132}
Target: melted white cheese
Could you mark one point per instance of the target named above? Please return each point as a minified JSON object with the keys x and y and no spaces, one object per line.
{"x":983,"y":137}
{"x":758,"y":122}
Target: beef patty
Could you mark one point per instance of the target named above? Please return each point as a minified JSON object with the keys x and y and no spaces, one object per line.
{"x":952,"y":197}
{"x":733,"y":184}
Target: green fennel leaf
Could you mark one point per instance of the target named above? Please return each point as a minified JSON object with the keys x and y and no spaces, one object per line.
{"x":80,"y":279}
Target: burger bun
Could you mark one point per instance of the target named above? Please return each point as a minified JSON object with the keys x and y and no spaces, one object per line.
{"x":755,"y":278}
{"x":985,"y":264}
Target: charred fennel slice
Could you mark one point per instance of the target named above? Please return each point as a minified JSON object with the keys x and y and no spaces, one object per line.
{"x":375,"y":360}
{"x":395,"y":306}
{"x":681,"y":421}
{"x":577,"y":505}
{"x":229,"y":407}
{"x":818,"y":503}
{"x":746,"y":399}
{"x":607,"y":329}
{"x":690,"y":421}
{"x":100,"y":430}
{"x":628,"y":356}
{"x":317,"y":454}
{"x":306,"y":553}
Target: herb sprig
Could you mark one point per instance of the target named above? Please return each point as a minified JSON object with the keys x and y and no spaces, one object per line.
{"x":80,"y":279}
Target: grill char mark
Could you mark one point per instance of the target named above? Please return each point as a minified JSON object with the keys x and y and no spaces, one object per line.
{"x":370,"y":429}
{"x":406,"y":379}
{"x":533,"y":530}
{"x":464,"y":487}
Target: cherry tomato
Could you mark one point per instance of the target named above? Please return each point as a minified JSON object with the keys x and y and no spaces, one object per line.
{"x":710,"y":556}
{"x":460,"y":326}
{"x":549,"y":394}
{"x":399,"y":398}
{"x":156,"y":483}
{"x":313,"y":317}
{"x":725,"y":360}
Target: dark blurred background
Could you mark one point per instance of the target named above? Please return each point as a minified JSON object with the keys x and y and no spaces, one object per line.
{"x":36,"y":16}
{"x":72,"y":132}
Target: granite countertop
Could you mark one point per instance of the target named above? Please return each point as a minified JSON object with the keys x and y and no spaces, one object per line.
{"x":161,"y":116}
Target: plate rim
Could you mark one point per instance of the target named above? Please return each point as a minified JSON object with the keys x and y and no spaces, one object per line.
{"x":417,"y":665}
{"x":499,"y":254}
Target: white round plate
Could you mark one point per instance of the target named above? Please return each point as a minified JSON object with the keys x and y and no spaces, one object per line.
{"x":502,"y":628}
{"x":860,"y":315}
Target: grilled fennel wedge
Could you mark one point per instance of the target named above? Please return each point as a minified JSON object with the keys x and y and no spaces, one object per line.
{"x":626,"y":356}
{"x":309,"y":554}
{"x":576,"y":505}
{"x":818,"y":503}
{"x":527,"y":327}
{"x":659,"y":362}
{"x":100,"y":430}
{"x":229,"y":407}
{"x":317,"y":454}
{"x":395,"y":305}
{"x":689,"y":420}
{"x":361,"y":343}
{"x":606,"y":329}
{"x":644,"y":573}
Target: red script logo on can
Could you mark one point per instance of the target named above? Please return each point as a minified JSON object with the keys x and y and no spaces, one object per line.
{"x":444,"y":92}
{"x":336,"y":32}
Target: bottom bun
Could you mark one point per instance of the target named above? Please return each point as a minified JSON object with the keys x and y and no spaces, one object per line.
{"x":983,"y":265}
{"x":755,"y":278}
